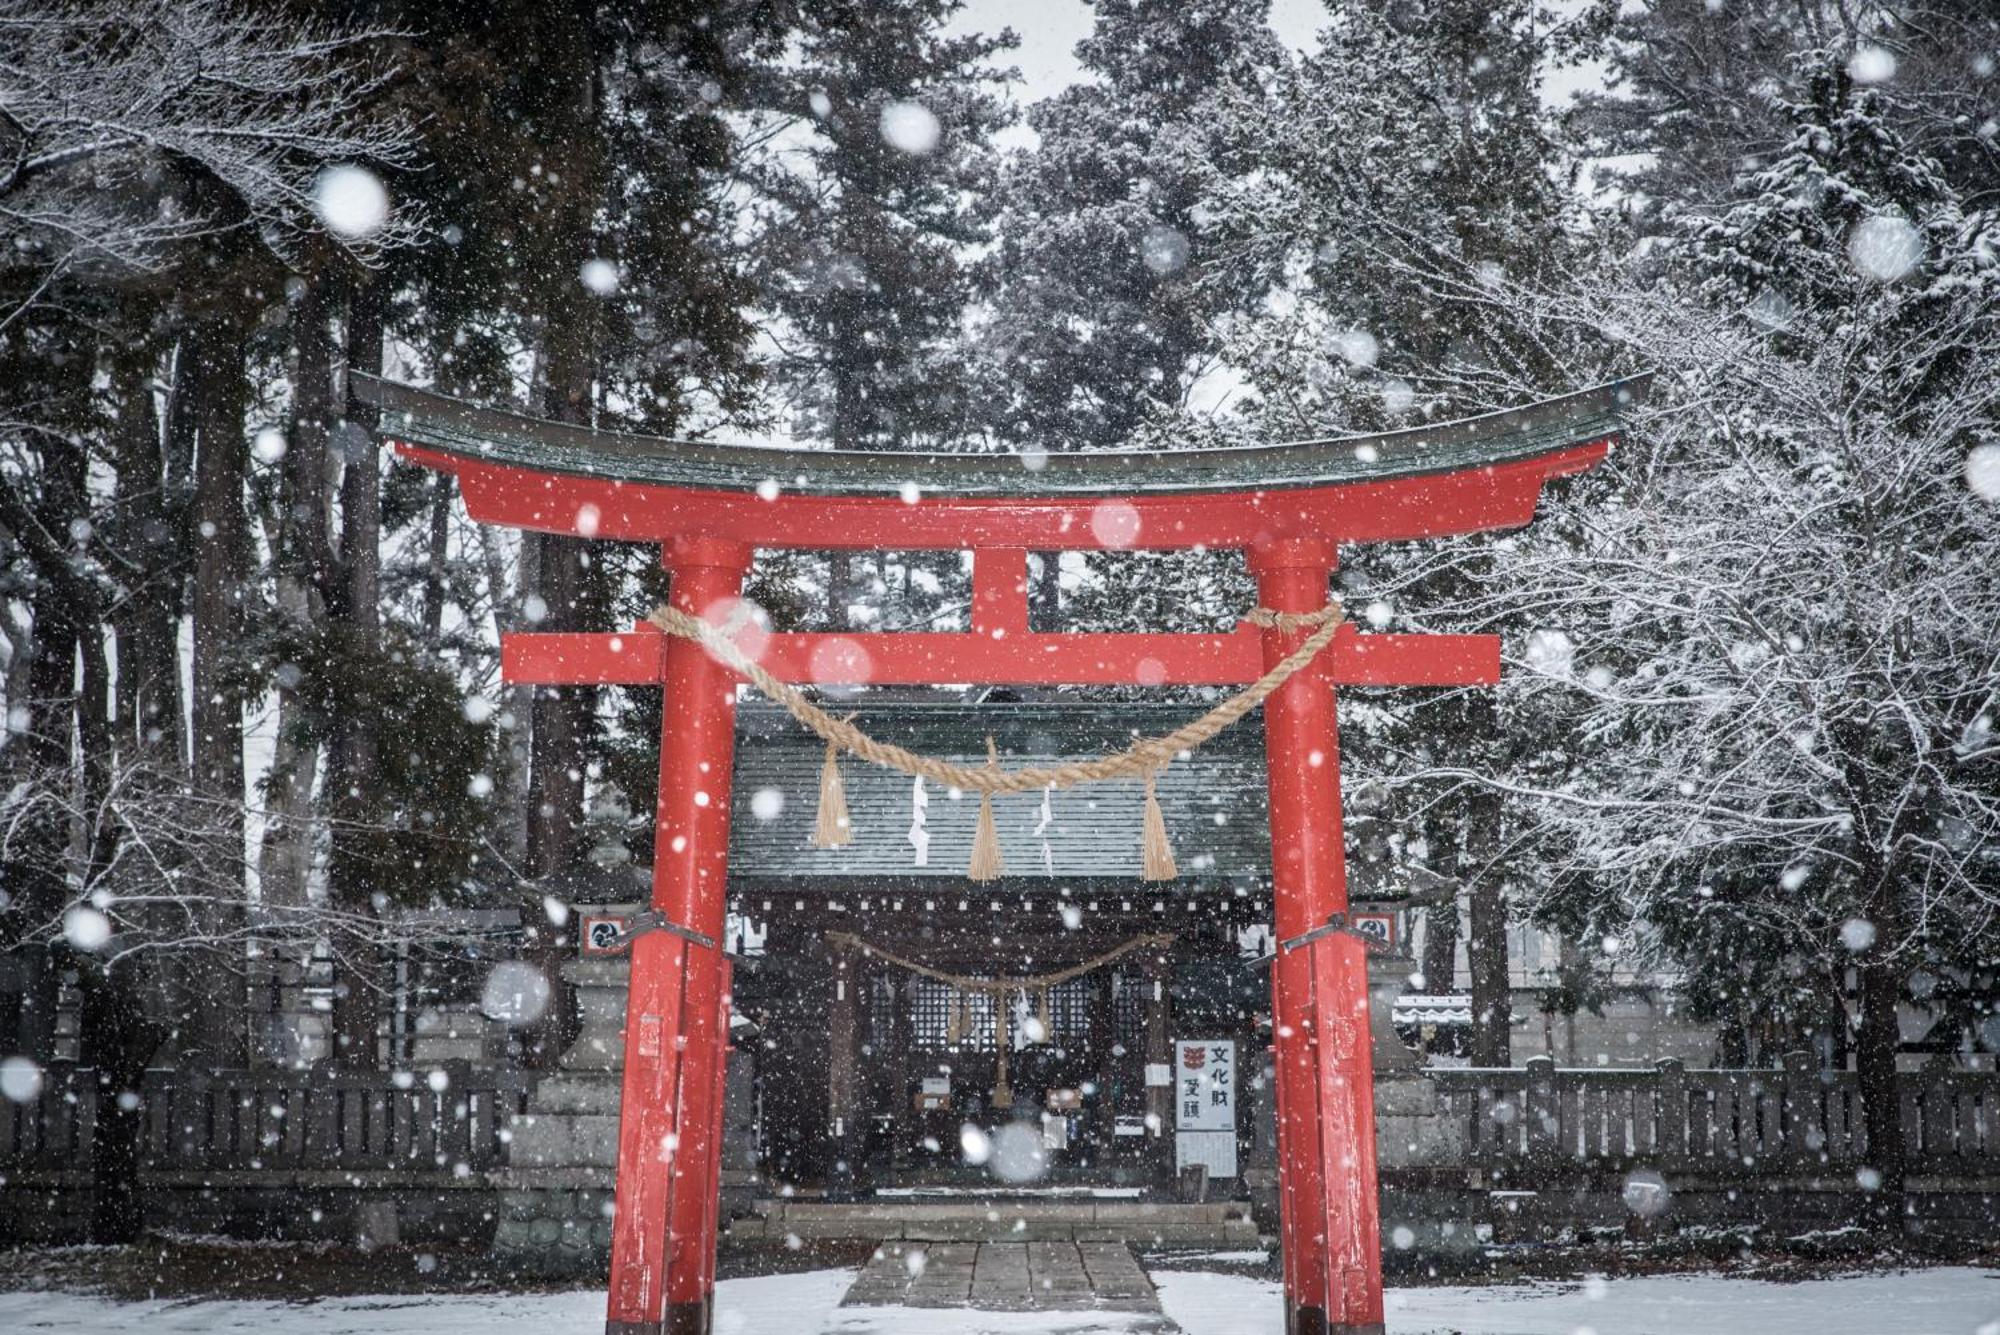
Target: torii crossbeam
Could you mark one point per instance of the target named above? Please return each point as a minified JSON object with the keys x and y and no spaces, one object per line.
{"x":709,"y":506}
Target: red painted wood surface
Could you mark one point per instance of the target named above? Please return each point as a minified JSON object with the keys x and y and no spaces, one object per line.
{"x":697,"y":763}
{"x":1388,"y":510}
{"x":646,"y":1097}
{"x":718,"y":1101}
{"x":663,"y":1235}
{"x":1319,"y":994}
{"x":632,"y":658}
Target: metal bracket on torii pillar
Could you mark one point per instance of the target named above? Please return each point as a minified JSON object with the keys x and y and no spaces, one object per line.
{"x":652,"y":920}
{"x":1337,"y":925}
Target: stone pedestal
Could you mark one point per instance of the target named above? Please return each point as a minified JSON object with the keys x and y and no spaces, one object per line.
{"x":1388,"y":978}
{"x":457,"y":1033}
{"x":556,"y":1193}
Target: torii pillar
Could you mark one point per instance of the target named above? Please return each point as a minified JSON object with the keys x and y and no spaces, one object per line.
{"x":669,"y":1151}
{"x":1329,"y":1216}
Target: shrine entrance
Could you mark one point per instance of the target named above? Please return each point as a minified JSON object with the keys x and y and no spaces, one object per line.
{"x":710,"y":506}
{"x":919,"y":1057}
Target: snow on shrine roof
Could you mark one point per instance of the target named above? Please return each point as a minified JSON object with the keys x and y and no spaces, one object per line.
{"x":420,"y":417}
{"x":1093,"y":830}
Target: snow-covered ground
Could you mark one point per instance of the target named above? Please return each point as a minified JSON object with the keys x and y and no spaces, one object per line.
{"x":1943,"y":1301}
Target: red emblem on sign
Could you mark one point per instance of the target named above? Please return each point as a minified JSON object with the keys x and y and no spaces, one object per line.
{"x":1194,"y":1058}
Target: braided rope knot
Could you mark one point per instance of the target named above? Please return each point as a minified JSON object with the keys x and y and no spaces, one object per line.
{"x":1290,"y":622}
{"x":1146,"y":756}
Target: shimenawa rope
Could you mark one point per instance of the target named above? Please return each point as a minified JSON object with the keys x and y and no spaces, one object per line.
{"x":1141,"y":760}
{"x":1001,"y":986}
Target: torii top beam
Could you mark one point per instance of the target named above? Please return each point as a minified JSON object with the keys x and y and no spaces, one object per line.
{"x":1465,"y":476}
{"x":1457,"y":477}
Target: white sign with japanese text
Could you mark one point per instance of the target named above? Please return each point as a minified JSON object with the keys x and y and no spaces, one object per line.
{"x":1204,"y":1085}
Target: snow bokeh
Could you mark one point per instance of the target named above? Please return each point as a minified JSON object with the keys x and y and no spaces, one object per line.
{"x":910,"y":127}
{"x":351,"y":201}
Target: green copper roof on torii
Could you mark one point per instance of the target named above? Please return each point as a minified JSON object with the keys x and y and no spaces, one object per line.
{"x":420,"y":417}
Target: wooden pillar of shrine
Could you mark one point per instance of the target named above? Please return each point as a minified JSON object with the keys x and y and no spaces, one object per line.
{"x":843,"y":1074}
{"x":901,"y":1104}
{"x":1101,"y":1035}
{"x":1159,"y":1052}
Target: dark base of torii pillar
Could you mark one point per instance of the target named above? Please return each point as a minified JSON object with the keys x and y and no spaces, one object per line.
{"x":1328,"y":1209}
{"x":669,"y":1143}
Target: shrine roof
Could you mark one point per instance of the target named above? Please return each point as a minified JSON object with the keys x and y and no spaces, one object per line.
{"x":456,"y":428}
{"x":1213,"y":801}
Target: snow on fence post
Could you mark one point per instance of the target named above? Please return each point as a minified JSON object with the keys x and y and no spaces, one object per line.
{"x":1805,"y":1109}
{"x":1540,"y":1111}
{"x":1670,"y":1112}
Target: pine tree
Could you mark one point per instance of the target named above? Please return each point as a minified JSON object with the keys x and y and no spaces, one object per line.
{"x":1411,"y":177}
{"x":867,"y":216}
{"x":1107,"y":290}
{"x":1776,"y":685}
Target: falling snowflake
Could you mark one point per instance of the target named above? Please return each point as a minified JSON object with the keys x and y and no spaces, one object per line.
{"x":1982,"y":472}
{"x":910,"y":127}
{"x":1163,"y":249}
{"x":1871,"y":64}
{"x":516,"y":993}
{"x":1885,"y":248}
{"x":20,"y":1079}
{"x":86,"y":929}
{"x":351,"y":201}
{"x":1357,"y":347}
{"x":1115,"y":523}
{"x":1018,"y":1153}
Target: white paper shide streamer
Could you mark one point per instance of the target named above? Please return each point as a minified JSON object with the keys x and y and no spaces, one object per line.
{"x":920,"y":835}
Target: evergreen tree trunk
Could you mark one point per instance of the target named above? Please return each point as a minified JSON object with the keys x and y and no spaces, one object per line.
{"x":62,"y":609}
{"x":150,"y":708}
{"x":562,"y":716}
{"x":351,"y":880}
{"x":1492,"y":999}
{"x":1440,"y":961}
{"x":1875,"y":1047}
{"x":213,"y":1024}
{"x":437,"y":555}
{"x":1486,"y":941}
{"x":119,"y":1035}
{"x":303,"y":562}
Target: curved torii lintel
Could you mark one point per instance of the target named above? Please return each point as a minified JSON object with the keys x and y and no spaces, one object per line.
{"x":1471,"y":475}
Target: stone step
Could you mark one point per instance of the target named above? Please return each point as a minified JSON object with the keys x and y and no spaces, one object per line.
{"x":1113,"y":1223}
{"x":1009,"y":1277}
{"x":563,"y":1140}
{"x":596,"y":1095}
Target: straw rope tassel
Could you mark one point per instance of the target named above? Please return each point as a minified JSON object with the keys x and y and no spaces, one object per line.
{"x":1156,"y":854}
{"x":832,"y":828}
{"x":986,"y":863}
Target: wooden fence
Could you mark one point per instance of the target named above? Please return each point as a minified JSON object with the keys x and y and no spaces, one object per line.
{"x":1791,"y":1120}
{"x":447,"y":1120}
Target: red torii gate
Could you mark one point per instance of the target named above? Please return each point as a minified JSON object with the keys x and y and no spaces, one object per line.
{"x":1289,"y":506}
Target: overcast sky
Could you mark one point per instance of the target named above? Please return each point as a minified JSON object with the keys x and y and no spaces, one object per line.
{"x":1050,"y":29}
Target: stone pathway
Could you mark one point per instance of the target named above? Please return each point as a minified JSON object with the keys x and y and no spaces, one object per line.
{"x":1007,"y":1277}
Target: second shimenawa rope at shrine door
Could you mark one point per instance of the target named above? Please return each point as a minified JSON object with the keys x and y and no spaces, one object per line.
{"x":1142,"y":760}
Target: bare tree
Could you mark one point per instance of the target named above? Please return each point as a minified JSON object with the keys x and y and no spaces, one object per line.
{"x":122,"y":123}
